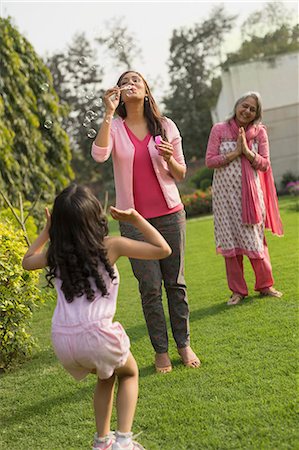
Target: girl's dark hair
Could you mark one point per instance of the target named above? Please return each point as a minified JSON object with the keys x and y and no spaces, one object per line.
{"x":151,"y":111}
{"x":77,"y":231}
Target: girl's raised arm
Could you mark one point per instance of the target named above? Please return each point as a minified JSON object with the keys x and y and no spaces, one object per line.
{"x":154,"y":247}
{"x":35,"y":258}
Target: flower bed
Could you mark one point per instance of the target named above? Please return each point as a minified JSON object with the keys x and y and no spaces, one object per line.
{"x":198,"y":203}
{"x":293,"y":187}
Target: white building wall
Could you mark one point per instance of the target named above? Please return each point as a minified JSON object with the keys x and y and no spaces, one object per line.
{"x":277,"y":80}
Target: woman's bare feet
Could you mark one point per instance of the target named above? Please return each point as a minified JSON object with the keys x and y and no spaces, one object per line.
{"x":162,"y":363}
{"x":235,"y":299}
{"x":271,"y":292}
{"x":188,"y":357}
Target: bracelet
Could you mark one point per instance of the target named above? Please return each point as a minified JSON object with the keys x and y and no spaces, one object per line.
{"x":108,"y":118}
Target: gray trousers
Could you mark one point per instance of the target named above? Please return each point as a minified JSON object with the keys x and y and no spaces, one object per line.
{"x":171,"y":270}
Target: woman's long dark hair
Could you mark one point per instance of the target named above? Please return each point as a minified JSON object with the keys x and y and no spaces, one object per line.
{"x":151,"y":111}
{"x":77,"y":231}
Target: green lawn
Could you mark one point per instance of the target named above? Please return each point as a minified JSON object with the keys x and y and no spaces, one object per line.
{"x":243,"y":396}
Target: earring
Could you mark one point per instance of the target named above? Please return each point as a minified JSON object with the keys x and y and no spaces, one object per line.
{"x":122,"y":103}
{"x":146,"y":98}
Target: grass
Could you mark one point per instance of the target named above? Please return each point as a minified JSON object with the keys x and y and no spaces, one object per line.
{"x":243,"y":396}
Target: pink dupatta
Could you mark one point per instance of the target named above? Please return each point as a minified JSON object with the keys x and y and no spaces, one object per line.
{"x":251,"y":208}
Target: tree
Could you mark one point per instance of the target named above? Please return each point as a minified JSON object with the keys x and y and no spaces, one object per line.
{"x":119,"y":43}
{"x":194,"y":58}
{"x":34,"y":149}
{"x":266,"y":33}
{"x":269,"y":19}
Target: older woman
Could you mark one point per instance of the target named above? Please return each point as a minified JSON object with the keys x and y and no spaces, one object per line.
{"x":244,"y":196}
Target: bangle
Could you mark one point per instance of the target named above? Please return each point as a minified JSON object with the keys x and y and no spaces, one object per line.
{"x":108,"y":118}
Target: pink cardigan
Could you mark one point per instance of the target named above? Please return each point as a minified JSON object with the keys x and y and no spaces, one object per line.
{"x":123,"y":151}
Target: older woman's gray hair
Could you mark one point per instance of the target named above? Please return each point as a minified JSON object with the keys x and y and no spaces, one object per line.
{"x":243,"y":97}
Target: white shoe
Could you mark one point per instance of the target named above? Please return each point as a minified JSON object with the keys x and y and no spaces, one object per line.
{"x":132,"y":445}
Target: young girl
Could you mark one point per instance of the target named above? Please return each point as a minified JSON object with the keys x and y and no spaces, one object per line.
{"x":81,"y":260}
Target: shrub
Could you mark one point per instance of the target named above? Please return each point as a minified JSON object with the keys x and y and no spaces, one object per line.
{"x":198,"y":203}
{"x":19,"y":294}
{"x":202,"y":174}
{"x":287,"y":178}
{"x":205,"y":184}
{"x":31,"y":228}
{"x":293,"y":187}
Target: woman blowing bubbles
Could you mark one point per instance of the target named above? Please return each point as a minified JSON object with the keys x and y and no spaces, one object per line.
{"x":148,"y":161}
{"x":244,"y":196}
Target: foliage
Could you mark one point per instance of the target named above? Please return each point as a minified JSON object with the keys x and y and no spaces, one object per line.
{"x":266,"y":32}
{"x":271,"y":17}
{"x":120,"y":44}
{"x":293,"y":187}
{"x":287,"y":177}
{"x":34,"y":149}
{"x":31,"y":228}
{"x":204,"y":174}
{"x":19,"y":295}
{"x":197,"y":203}
{"x":283,"y":40}
{"x":77,"y":80}
{"x":194,"y":58}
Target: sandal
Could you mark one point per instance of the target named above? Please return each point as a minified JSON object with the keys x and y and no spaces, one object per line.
{"x":192,"y":363}
{"x":235,"y":299}
{"x":162,"y":369}
{"x":271,"y":292}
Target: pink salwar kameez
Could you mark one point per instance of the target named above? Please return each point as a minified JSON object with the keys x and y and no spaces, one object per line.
{"x":244,"y":203}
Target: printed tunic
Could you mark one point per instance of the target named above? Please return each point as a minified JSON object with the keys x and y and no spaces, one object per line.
{"x":231,"y":235}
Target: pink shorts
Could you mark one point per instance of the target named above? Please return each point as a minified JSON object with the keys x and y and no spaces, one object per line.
{"x":82,"y":349}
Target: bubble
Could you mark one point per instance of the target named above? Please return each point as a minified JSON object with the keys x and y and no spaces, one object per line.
{"x":91,"y":133}
{"x":44,"y":87}
{"x":93,"y":68}
{"x":90,"y":95}
{"x":129,"y":92}
{"x":82,"y":61}
{"x":90,"y":115}
{"x":48,"y":124}
{"x":86,"y":122}
{"x":98,"y":102}
{"x":81,"y":93}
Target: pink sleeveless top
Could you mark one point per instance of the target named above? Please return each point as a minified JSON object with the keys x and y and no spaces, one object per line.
{"x":81,"y":311}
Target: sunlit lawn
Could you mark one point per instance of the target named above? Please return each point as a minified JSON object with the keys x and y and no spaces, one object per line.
{"x":243,"y":396}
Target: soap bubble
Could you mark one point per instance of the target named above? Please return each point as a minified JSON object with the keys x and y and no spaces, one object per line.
{"x":93,"y":68}
{"x":86,"y":122}
{"x":81,"y":93}
{"x":91,"y":133}
{"x":98,"y":102}
{"x":44,"y":87}
{"x":90,"y":95}
{"x":48,"y":124}
{"x":82,"y":61}
{"x":90,"y":115}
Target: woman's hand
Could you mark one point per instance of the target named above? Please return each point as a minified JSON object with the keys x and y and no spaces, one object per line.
{"x":244,"y":145}
{"x":249,"y":154}
{"x":165,"y":150}
{"x":111,"y":99}
{"x":129,"y":215}
{"x":239,"y":143}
